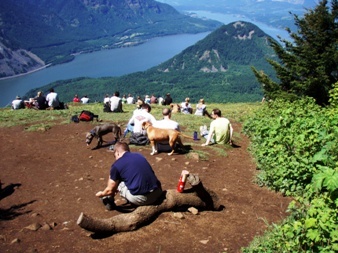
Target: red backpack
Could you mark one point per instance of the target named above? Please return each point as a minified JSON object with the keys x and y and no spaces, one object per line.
{"x":86,"y":116}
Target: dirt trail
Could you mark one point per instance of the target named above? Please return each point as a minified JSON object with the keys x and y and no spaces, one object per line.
{"x":59,"y":176}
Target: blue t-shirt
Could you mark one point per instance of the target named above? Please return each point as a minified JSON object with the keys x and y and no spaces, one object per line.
{"x":135,"y":171}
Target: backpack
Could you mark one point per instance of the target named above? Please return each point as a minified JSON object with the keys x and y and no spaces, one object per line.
{"x":106,"y":107}
{"x":138,"y":139}
{"x":75,"y":119}
{"x":86,"y":116}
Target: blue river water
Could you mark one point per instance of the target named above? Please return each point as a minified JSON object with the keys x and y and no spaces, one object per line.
{"x":117,"y":62}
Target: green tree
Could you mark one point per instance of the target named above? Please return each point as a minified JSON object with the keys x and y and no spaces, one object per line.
{"x":308,"y":65}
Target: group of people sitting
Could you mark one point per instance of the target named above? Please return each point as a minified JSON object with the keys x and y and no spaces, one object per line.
{"x":142,"y":187}
{"x":40,"y":102}
{"x":201,"y":108}
{"x":83,"y":100}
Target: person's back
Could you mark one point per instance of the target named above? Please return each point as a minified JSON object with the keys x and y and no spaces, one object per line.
{"x":53,"y":99}
{"x":41,"y":102}
{"x":168,"y":100}
{"x":18,"y":103}
{"x":130,"y":99}
{"x":116,"y":103}
{"x":139,"y":181}
{"x":139,"y":117}
{"x":221,"y":129}
{"x":85,"y":100}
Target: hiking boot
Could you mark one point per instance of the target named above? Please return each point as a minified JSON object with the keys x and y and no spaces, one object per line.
{"x":108,"y":203}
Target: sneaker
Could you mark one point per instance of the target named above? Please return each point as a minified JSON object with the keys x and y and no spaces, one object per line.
{"x":108,"y":203}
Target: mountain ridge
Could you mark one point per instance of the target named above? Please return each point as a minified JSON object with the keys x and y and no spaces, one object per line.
{"x":217,"y":68}
{"x":54,"y":31}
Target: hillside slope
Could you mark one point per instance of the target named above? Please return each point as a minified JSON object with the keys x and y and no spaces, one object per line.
{"x":53,"y":30}
{"x":217,"y":68}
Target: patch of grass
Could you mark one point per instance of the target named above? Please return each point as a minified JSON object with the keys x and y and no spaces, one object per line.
{"x":188,"y":123}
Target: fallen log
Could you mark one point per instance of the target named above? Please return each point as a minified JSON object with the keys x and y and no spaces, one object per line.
{"x":197,"y":196}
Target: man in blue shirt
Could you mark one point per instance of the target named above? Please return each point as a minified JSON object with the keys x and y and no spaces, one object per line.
{"x":132,"y":176}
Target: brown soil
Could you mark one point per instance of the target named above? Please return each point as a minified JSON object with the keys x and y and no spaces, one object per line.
{"x":57,"y":177}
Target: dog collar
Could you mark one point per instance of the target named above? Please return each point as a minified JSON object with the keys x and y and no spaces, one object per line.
{"x":92,"y":132}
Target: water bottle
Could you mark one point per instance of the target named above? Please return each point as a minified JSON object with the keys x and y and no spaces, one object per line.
{"x":195,"y":136}
{"x":183,"y":179}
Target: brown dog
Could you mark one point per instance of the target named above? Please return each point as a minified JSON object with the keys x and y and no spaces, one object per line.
{"x":175,"y":108}
{"x":101,"y":130}
{"x":158,"y":134}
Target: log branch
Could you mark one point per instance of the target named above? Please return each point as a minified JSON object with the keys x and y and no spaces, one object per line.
{"x":197,"y":196}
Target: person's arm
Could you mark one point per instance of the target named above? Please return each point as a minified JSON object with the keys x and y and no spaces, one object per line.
{"x":110,"y":190}
{"x":210,"y":134}
{"x":231,"y":131}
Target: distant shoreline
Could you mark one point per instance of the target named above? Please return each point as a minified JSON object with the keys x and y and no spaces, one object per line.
{"x":27,"y":73}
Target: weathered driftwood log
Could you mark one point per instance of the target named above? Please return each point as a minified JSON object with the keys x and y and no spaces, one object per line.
{"x":197,"y":196}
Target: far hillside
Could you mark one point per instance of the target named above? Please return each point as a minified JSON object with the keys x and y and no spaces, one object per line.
{"x":217,"y":68}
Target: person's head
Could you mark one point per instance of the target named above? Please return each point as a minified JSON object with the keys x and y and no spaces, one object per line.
{"x":216,"y":112}
{"x":39,"y":93}
{"x":139,"y":103}
{"x":201,"y":101}
{"x":117,"y":93}
{"x":147,"y":107}
{"x":187,"y":100}
{"x":51,"y":90}
{"x":168,"y":95}
{"x":120,"y":148}
{"x":76,"y":96}
{"x":166,"y":112}
{"x":18,"y":98}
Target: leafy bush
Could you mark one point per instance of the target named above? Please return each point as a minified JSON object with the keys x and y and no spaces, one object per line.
{"x":295,"y":146}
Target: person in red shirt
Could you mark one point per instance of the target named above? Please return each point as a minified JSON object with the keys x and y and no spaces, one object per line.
{"x":76,"y":99}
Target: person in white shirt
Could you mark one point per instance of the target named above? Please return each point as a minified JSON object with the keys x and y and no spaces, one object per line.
{"x":18,"y":103}
{"x":166,"y":123}
{"x":116,"y":102}
{"x":142,"y":115}
{"x":52,"y":99}
{"x":186,"y":106}
{"x":130,"y":99}
{"x":106,"y":99}
{"x":85,"y":100}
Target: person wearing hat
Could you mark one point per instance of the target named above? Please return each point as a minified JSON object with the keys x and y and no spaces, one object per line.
{"x":186,"y":106}
{"x":18,"y":103}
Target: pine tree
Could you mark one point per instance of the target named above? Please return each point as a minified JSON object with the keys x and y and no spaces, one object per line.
{"x":307,"y":66}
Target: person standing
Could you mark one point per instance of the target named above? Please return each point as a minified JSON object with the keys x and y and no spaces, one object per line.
{"x":133,"y":177}
{"x":220,"y":131}
{"x":52,"y":99}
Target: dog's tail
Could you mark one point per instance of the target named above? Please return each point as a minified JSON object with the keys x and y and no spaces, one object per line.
{"x":186,"y":136}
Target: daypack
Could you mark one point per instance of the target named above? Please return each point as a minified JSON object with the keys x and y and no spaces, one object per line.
{"x":138,"y":139}
{"x":106,"y":107}
{"x":75,"y":118}
{"x":86,"y":116}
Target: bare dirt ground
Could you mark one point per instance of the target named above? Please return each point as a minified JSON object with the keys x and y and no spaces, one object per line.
{"x":56,"y":177}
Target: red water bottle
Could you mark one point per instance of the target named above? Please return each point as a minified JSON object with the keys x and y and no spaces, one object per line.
{"x":183,"y":179}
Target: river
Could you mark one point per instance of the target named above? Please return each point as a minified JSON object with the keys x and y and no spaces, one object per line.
{"x":117,"y":62}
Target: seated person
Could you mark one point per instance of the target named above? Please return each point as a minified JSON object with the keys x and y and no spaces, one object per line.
{"x":133,"y":177}
{"x":76,"y":99}
{"x":220,"y":131}
{"x":186,"y":107}
{"x":40,"y":101}
{"x":52,"y":100}
{"x":116,"y":102}
{"x":139,"y":116}
{"x":201,"y":109}
{"x":85,"y":99}
{"x":18,"y":103}
{"x":165,"y":123}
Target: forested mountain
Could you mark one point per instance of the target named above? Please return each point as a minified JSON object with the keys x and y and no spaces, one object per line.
{"x":54,"y":30}
{"x":217,"y":68}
